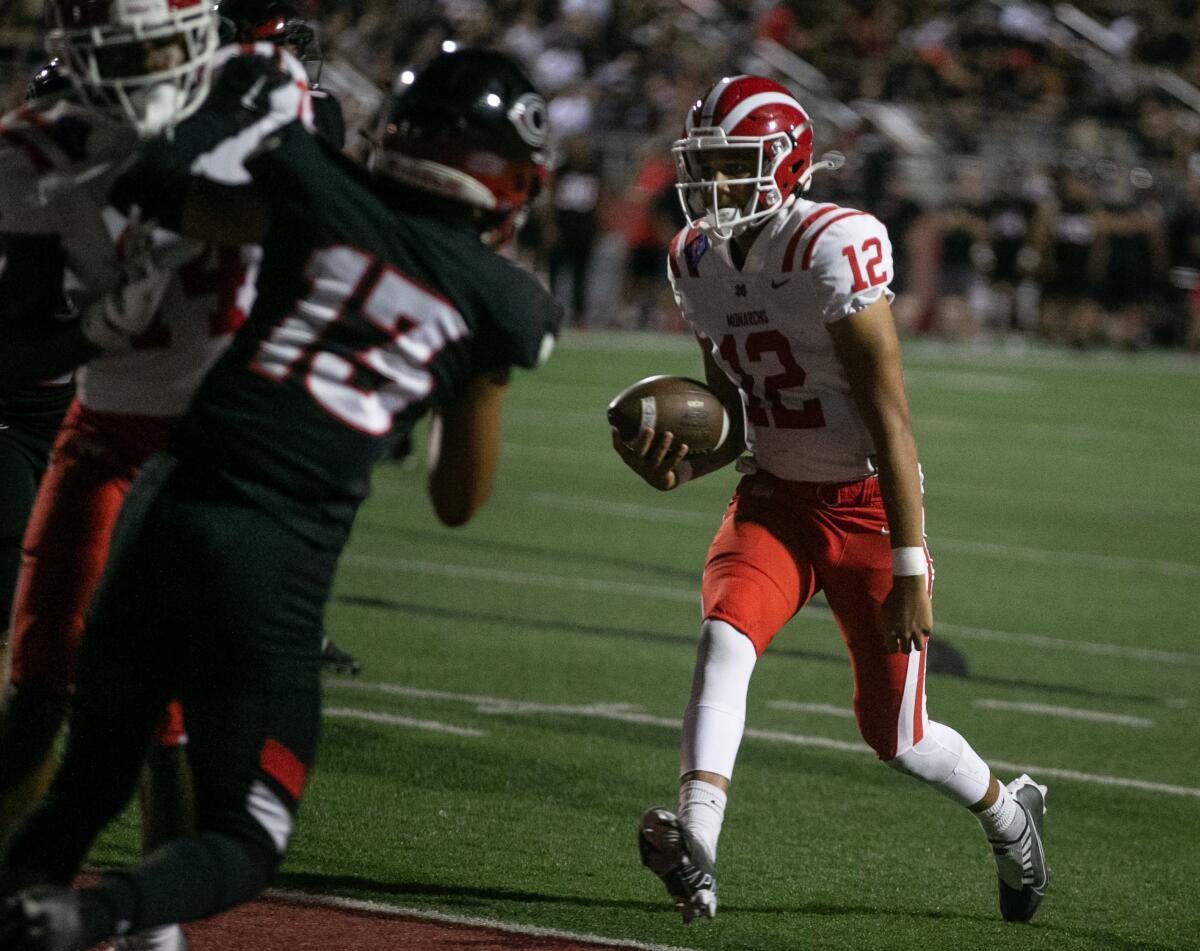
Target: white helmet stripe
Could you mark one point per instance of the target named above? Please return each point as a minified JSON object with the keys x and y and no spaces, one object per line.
{"x":746,"y":106}
{"x":710,"y":104}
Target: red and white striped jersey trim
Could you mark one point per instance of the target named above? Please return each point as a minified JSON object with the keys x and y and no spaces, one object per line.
{"x":677,"y":258}
{"x":809,"y":233}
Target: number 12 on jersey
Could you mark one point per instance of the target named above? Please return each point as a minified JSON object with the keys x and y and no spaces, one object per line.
{"x":873,"y":251}
{"x":758,"y":345}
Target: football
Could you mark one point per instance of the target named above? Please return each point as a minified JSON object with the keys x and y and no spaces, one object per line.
{"x":676,"y":404}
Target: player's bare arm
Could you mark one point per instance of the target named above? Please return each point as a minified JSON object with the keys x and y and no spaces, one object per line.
{"x":661,"y":460}
{"x":869,"y":350}
{"x":464,"y":448}
{"x":36,"y":346}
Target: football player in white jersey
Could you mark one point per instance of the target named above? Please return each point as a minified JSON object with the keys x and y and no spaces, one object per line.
{"x":789,"y":299}
{"x":136,"y":67}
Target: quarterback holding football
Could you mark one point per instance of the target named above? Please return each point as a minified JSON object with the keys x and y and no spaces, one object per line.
{"x":789,"y":300}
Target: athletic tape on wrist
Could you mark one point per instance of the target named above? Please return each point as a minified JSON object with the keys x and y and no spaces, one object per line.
{"x":909,"y":561}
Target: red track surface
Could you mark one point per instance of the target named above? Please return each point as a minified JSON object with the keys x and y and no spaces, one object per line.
{"x":276,"y":924}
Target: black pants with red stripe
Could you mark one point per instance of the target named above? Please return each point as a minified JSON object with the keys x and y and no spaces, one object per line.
{"x":207,"y":598}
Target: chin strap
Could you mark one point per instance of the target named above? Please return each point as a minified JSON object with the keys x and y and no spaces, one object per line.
{"x":830,"y":160}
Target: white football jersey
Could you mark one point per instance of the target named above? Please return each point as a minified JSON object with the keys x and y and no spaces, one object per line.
{"x":58,"y":161}
{"x":809,"y":266}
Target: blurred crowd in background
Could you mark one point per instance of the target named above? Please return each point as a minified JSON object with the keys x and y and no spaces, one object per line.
{"x":1038,"y":167}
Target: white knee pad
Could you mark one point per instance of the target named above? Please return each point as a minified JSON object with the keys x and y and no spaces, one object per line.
{"x":716,"y":712}
{"x":948,"y":763}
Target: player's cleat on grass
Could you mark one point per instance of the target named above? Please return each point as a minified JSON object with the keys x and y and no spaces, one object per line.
{"x":1021,"y":863}
{"x":337,"y":661}
{"x":43,"y":918}
{"x":166,"y":938}
{"x":674,"y":855}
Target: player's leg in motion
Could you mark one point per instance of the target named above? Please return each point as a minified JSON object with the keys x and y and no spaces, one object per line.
{"x":27,"y":723}
{"x":95,"y":458}
{"x":752,"y":585}
{"x":243,"y":645}
{"x":125,"y":669}
{"x":889,"y":705}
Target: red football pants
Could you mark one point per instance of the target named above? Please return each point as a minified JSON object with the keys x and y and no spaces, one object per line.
{"x":95,"y":458}
{"x":779,"y":544}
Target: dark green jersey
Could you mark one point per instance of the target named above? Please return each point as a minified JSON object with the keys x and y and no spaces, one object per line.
{"x":370,"y":310}
{"x":31,"y":283}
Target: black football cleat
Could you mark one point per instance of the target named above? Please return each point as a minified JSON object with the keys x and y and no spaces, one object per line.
{"x":337,"y":661}
{"x":1021,"y":863}
{"x":42,"y":918}
{"x":674,"y":855}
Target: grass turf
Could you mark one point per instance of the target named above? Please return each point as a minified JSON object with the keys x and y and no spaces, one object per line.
{"x":559,"y":626}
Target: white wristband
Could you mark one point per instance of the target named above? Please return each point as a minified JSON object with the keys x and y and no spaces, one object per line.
{"x":909,"y":561}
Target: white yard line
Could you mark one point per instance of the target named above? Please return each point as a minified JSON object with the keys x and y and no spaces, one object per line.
{"x":1156,"y":507}
{"x":471,"y":921}
{"x":691,"y":595}
{"x":1069,"y":713}
{"x":526,"y":578}
{"x":390,"y":719}
{"x":1038,"y":556}
{"x":624,"y":713}
{"x":826,"y":709}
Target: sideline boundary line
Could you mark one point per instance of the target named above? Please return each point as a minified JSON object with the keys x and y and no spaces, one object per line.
{"x":470,"y":921}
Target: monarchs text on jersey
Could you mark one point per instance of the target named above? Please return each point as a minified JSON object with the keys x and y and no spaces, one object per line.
{"x":766,"y":323}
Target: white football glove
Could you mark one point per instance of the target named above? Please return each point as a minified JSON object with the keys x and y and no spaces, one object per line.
{"x":127,"y":309}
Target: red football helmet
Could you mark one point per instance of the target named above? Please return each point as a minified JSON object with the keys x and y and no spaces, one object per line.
{"x":745,"y":131}
{"x":144,"y":62}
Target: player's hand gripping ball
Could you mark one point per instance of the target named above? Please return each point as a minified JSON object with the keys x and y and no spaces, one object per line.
{"x":675,"y":404}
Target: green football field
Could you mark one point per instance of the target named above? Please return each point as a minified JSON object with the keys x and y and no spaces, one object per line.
{"x":524,"y":677}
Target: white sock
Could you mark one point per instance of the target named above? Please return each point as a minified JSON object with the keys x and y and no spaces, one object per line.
{"x":702,"y":810}
{"x":1003,"y":820}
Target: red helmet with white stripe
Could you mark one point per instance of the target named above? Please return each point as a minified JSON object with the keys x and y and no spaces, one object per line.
{"x":745,"y":131}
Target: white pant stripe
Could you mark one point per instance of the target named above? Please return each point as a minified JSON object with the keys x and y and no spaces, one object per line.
{"x":912,"y":701}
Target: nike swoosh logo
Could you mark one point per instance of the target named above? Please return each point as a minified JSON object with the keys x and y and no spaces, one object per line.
{"x":775,"y":285}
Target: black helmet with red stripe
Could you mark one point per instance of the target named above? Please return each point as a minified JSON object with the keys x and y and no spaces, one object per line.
{"x":747,"y":135}
{"x":472,"y":128}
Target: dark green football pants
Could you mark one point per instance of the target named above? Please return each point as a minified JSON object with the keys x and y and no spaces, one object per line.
{"x":209,"y":599}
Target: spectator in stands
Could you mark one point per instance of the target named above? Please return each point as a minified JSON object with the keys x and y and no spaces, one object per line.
{"x":651,"y":215}
{"x":1130,"y":261}
{"x":1065,"y":236}
{"x":965,"y":256}
{"x":574,"y":222}
{"x":1184,"y":243}
{"x":1010,"y":217}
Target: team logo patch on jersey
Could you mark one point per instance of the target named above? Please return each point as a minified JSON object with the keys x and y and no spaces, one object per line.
{"x":694,"y":250}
